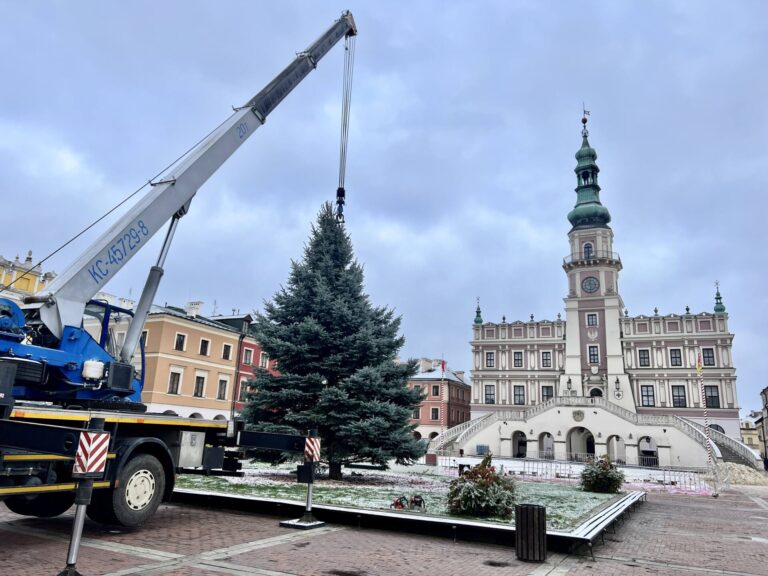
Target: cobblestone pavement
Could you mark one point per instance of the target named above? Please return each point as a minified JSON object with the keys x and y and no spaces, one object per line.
{"x":668,"y":535}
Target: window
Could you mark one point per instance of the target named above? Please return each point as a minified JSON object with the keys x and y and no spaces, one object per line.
{"x":587,"y":248}
{"x":519,"y":395}
{"x":675,"y":357}
{"x":243,"y":390}
{"x":144,"y":336}
{"x":547,"y":392}
{"x":204,"y":346}
{"x":221,"y":393}
{"x":181,"y":342}
{"x":717,"y":428}
{"x":418,"y":389}
{"x":518,"y":359}
{"x":226,"y":352}
{"x":489,"y":359}
{"x":248,"y":356}
{"x":490,"y":394}
{"x":416,"y":414}
{"x":199,"y":386}
{"x":546,"y":359}
{"x":435,"y":415}
{"x":591,"y":319}
{"x":436,"y":390}
{"x":594,"y":357}
{"x":712,"y":395}
{"x":708,"y":356}
{"x":263,"y":360}
{"x":120,"y":339}
{"x":678,"y":396}
{"x":646,"y":394}
{"x":645,"y":358}
{"x":173,"y":382}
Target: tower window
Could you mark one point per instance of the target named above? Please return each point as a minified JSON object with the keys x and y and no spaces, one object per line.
{"x":588,"y":250}
{"x":591,"y":319}
{"x":594,"y":357}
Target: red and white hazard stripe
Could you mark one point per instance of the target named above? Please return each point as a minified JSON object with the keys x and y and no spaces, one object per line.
{"x":91,"y":457}
{"x":312,"y":449}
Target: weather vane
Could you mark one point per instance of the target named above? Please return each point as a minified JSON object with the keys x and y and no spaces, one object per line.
{"x":717,"y":285}
{"x":585,"y":112}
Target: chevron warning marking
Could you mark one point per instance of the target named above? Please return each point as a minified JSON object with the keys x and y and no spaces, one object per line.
{"x":91,"y":457}
{"x":312,"y":449}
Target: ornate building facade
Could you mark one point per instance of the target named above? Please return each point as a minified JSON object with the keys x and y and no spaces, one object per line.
{"x":600,"y":381}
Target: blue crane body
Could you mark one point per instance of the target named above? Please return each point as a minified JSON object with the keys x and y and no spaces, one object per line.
{"x":50,"y":363}
{"x":56,"y":359}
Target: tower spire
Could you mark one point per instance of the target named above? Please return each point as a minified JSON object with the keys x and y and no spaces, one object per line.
{"x":478,"y":315}
{"x":588,"y":212}
{"x":719,"y":306}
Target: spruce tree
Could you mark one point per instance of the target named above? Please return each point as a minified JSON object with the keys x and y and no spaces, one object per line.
{"x":336,"y":356}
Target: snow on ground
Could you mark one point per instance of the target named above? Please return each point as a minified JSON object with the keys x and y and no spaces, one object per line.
{"x":374,"y":489}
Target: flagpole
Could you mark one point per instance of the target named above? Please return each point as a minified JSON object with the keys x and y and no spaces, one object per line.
{"x":443,"y":395}
{"x":700,"y":373}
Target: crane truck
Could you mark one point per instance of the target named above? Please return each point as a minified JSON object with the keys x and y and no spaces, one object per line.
{"x":56,"y":379}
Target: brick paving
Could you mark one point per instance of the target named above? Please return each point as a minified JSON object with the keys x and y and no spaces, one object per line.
{"x":671,"y":535}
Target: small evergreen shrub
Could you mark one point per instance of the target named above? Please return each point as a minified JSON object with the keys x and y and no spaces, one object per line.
{"x":483,"y":492}
{"x":601,"y":476}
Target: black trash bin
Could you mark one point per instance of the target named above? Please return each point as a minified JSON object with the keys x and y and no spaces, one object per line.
{"x":531,"y":532}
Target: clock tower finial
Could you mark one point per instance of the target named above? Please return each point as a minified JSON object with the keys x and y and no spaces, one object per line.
{"x":588,"y":212}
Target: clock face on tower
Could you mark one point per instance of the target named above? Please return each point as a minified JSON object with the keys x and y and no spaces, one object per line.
{"x":590,"y":284}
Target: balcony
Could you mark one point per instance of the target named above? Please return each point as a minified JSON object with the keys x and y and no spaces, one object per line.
{"x":592,"y":257}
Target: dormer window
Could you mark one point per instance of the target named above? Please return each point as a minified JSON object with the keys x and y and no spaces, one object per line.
{"x":587,"y":250}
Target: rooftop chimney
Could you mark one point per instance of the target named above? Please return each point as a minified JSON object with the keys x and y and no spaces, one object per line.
{"x":193,"y":308}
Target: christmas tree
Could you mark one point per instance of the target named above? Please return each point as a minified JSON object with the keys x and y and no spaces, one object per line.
{"x":337,"y":360}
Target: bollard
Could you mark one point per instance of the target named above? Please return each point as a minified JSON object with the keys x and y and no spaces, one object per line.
{"x":82,"y":499}
{"x":305,"y":474}
{"x":531,"y":532}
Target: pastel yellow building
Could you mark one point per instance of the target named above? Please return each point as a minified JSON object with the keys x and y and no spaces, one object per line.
{"x":18,"y":278}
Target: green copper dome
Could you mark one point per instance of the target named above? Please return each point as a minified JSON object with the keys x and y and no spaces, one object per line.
{"x":588,"y":212}
{"x":478,"y":315}
{"x":719,"y":306}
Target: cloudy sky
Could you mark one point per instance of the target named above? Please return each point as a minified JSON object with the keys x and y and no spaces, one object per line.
{"x":465,"y":120}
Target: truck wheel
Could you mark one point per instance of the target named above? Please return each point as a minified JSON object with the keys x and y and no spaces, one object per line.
{"x":140,"y":488}
{"x":42,"y":505}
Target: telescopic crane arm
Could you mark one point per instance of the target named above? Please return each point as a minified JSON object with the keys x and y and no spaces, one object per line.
{"x":64,"y":302}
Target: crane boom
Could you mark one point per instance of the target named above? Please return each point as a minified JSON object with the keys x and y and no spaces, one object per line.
{"x":170,"y":195}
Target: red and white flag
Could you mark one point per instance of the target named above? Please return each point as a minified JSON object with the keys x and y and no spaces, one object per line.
{"x":91,"y":457}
